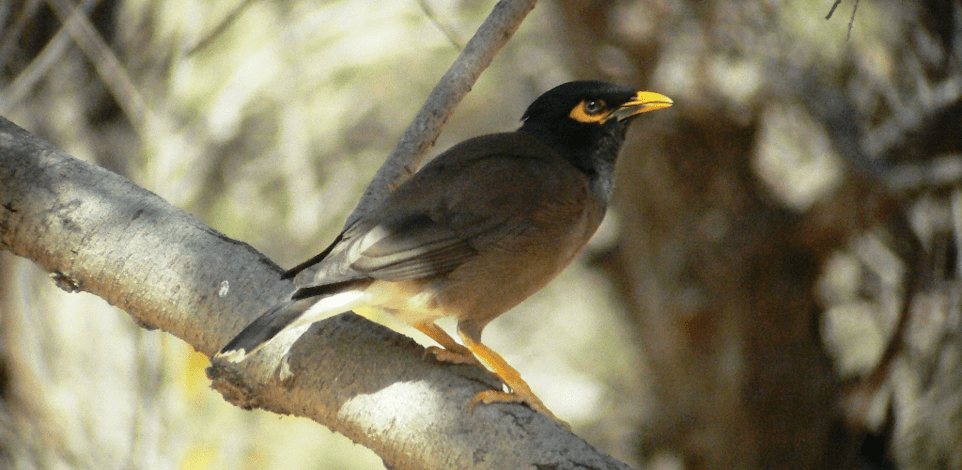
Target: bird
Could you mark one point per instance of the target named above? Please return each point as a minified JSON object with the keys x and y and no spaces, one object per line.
{"x":477,"y":230}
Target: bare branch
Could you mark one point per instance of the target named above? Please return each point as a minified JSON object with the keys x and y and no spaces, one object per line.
{"x":43,"y":62}
{"x":851,"y":20}
{"x":448,"y":32}
{"x":420,"y":136}
{"x":98,"y":232}
{"x":832,"y":10}
{"x":108,"y":66}
{"x":221,"y":27}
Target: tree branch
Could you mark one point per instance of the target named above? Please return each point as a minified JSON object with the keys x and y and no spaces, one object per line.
{"x":99,"y":233}
{"x":420,"y":136}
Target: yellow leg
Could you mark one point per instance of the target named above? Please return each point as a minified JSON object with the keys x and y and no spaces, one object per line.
{"x":520,"y":392}
{"x":450,"y":351}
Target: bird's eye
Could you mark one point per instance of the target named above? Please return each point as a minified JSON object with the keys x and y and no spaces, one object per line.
{"x":590,"y":111}
{"x":594,"y":106}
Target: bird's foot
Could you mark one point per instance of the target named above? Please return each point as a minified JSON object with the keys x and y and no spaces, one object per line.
{"x":454,"y":357}
{"x":494,"y":396}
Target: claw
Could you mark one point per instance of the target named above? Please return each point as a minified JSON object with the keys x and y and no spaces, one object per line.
{"x":453,"y":357}
{"x":494,"y":396}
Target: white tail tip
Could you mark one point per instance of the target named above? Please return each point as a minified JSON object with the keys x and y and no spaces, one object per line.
{"x":235,"y":356}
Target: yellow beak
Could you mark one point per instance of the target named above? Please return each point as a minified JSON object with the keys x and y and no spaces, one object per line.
{"x":643,"y":102}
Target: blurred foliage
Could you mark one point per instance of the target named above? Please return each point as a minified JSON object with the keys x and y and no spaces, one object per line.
{"x":755,"y":243}
{"x":791,"y":230}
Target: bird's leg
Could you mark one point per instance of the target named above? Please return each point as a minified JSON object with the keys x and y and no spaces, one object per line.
{"x":450,"y":351}
{"x":520,"y":392}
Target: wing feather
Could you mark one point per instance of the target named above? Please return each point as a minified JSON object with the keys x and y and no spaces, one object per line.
{"x":472,"y":197}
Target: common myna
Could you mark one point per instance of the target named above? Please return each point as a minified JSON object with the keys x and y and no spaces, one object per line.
{"x":474,"y":232}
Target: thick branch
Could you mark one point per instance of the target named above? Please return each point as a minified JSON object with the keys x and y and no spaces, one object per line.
{"x":99,"y":233}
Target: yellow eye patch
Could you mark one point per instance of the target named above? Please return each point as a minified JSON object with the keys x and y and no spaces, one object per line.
{"x":590,"y":111}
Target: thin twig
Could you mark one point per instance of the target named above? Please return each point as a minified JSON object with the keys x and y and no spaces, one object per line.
{"x":228,"y":20}
{"x":49,"y":56}
{"x":420,"y":136}
{"x":851,"y":22}
{"x":447,"y":31}
{"x":832,"y":11}
{"x":108,"y":66}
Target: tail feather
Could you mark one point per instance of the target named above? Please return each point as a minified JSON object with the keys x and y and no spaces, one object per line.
{"x":262,"y":330}
{"x":288,"y":315}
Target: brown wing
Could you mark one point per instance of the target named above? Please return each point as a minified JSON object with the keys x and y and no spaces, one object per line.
{"x":468,"y":199}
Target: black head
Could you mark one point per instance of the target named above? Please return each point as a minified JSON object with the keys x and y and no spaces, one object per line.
{"x":586,"y":121}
